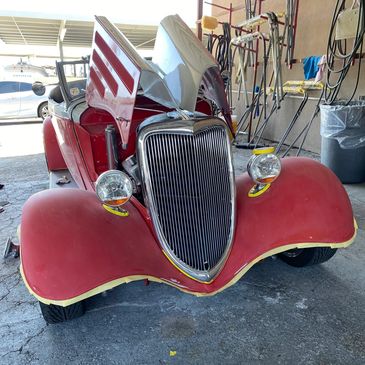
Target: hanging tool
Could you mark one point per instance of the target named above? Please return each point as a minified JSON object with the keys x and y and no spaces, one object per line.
{"x":223,"y":55}
{"x":273,"y":48}
{"x":305,"y":130}
{"x":299,"y":88}
{"x":291,"y":88}
{"x":242,"y":43}
{"x":307,"y":85}
{"x":289,"y":33}
{"x":297,"y":91}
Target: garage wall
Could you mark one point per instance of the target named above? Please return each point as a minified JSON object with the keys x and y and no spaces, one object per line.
{"x":312,"y":35}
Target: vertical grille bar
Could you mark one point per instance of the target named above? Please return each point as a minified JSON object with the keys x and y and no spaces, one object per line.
{"x":191,"y":195}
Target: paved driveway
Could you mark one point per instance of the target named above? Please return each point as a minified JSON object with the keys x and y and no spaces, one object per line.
{"x":276,"y":314}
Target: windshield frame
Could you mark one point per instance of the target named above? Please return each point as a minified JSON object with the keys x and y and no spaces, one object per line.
{"x":64,"y":84}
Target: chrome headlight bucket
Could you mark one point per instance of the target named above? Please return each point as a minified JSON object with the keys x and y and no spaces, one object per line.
{"x":114,"y":188}
{"x":263,"y":167}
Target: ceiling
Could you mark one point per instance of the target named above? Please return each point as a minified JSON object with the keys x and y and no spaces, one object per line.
{"x":46,"y":32}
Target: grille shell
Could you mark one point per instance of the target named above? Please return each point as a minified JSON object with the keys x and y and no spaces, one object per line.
{"x":189,"y":188}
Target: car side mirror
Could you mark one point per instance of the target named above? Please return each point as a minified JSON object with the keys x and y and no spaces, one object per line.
{"x":38,"y":88}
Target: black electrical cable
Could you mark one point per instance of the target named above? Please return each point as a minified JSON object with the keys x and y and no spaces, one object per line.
{"x":212,"y":39}
{"x":223,"y":49}
{"x":210,"y":43}
{"x":223,"y":56}
{"x":337,"y":52}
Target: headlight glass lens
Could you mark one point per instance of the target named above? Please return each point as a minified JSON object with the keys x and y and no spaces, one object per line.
{"x":114,"y":188}
{"x":264,"y":168}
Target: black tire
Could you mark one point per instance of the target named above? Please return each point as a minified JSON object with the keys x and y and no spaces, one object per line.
{"x":43,"y":110}
{"x":57,"y":314}
{"x":307,"y":256}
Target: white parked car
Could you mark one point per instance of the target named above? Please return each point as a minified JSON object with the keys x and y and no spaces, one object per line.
{"x":18,"y":100}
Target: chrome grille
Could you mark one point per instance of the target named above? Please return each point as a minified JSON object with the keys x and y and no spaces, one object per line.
{"x":189,"y":186}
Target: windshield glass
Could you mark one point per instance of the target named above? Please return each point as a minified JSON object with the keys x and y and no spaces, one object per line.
{"x":73,"y":76}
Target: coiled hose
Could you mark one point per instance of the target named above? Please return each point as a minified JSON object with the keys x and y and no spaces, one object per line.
{"x":337,"y":53}
{"x":223,"y":55}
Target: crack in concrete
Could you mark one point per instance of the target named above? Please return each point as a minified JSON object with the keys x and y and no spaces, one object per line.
{"x":123,"y":304}
{"x":271,"y":287}
{"x":39,"y":333}
{"x":7,"y":276}
{"x":10,"y":289}
{"x":23,"y":321}
{"x":26,"y":342}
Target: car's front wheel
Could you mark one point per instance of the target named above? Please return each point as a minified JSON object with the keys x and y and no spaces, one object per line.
{"x":56,"y":314}
{"x":43,"y":110}
{"x":301,"y":257}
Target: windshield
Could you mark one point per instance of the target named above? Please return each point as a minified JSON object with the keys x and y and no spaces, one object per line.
{"x":73,"y":76}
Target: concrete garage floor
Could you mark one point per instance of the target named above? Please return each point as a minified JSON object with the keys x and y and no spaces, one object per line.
{"x":276,"y":314}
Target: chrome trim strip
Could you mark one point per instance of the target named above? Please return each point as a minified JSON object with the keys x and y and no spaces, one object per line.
{"x":180,"y":127}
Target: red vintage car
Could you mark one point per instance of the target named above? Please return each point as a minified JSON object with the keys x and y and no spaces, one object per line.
{"x":142,"y":184}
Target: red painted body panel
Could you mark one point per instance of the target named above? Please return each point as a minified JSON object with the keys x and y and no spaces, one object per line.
{"x":66,"y":140}
{"x":55,"y":160}
{"x":91,"y":136}
{"x":71,"y":152}
{"x":68,"y":237}
{"x":113,"y":80}
{"x":86,"y":150}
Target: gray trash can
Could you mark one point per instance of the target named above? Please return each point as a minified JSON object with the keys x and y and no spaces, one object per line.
{"x":343,"y":140}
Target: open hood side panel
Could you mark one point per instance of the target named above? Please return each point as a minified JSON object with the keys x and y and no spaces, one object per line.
{"x":115,"y":69}
{"x":181,"y":65}
{"x":182,"y":60}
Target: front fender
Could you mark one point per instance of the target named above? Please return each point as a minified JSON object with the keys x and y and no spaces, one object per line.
{"x":71,"y":245}
{"x":307,"y":206}
{"x":72,"y":248}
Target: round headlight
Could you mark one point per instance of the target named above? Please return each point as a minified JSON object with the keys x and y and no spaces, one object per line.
{"x":114,"y":188}
{"x":264,"y":167}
